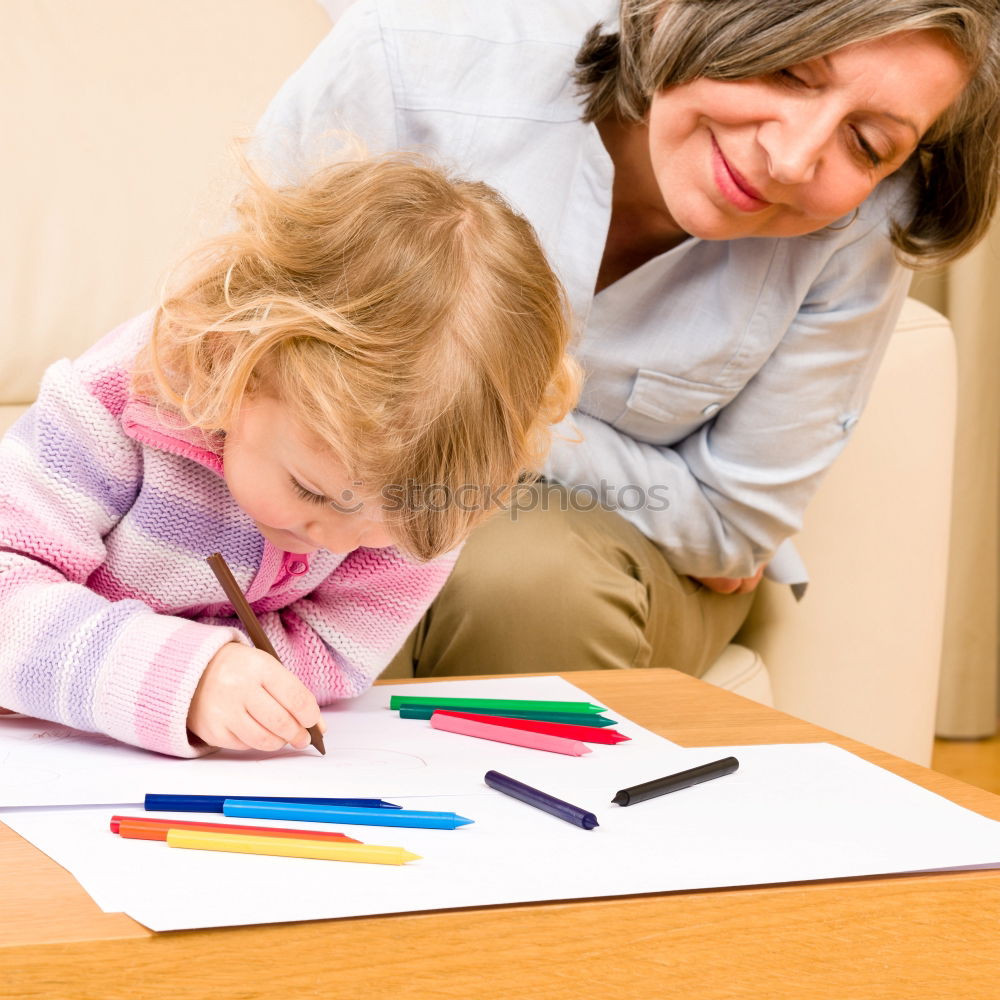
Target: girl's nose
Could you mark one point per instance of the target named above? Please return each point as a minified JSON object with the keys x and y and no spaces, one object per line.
{"x":341,"y":536}
{"x":347,"y":533}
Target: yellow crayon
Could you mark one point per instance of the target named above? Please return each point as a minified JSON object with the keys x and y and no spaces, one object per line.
{"x":288,"y":847}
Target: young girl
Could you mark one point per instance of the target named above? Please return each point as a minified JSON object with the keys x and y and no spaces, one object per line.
{"x":308,"y":382}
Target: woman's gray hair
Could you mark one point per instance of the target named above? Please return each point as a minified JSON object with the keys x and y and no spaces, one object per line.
{"x":663,"y":43}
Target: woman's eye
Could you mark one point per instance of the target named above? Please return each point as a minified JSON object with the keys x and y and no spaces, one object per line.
{"x":872,"y":157}
{"x":787,"y":77}
{"x":305,"y":494}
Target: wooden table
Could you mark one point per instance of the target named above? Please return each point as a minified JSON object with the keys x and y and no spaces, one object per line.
{"x":932,"y":937}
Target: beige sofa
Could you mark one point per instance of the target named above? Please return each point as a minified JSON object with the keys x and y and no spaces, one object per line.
{"x":116,"y":122}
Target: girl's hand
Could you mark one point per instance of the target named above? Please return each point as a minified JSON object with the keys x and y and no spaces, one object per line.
{"x":731,"y":584}
{"x":246,"y":700}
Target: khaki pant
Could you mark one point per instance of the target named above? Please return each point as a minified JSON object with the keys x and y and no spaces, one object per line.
{"x":555,"y":588}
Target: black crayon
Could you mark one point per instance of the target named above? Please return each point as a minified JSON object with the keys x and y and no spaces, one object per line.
{"x":674,"y":782}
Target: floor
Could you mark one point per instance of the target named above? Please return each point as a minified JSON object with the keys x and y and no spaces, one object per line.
{"x":976,"y":762}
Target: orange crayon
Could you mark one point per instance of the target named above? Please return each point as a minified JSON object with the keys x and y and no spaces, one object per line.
{"x":144,"y":828}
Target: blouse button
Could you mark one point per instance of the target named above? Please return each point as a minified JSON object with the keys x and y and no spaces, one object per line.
{"x":296,"y":567}
{"x":711,"y":409}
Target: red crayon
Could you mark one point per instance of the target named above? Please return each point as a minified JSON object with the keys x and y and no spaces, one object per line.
{"x":587,"y":734}
{"x":144,"y":828}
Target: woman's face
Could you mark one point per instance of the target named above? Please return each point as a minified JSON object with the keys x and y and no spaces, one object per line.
{"x":790,"y":153}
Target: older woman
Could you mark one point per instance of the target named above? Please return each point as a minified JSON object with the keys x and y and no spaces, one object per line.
{"x":729,"y":191}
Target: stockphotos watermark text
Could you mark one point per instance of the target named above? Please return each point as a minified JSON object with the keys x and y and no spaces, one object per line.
{"x":524,"y":497}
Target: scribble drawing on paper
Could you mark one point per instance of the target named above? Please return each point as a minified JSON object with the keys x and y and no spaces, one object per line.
{"x":343,"y":757}
{"x":41,"y":733}
{"x":372,"y":757}
{"x":17,"y":775}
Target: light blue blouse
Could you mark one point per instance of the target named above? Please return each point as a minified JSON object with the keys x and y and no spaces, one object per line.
{"x":722,"y":377}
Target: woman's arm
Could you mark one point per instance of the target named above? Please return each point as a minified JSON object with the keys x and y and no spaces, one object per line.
{"x":340,"y":92}
{"x":722,"y":500}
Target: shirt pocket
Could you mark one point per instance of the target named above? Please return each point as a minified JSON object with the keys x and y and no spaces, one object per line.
{"x":663,"y":409}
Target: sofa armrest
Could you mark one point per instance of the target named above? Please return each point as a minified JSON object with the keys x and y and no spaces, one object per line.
{"x":861,"y":653}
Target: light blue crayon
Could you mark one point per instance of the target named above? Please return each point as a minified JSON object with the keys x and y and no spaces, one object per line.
{"x":252,"y":809}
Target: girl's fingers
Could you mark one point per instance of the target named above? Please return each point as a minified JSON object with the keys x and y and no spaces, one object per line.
{"x":230,"y":741}
{"x":257,"y":737}
{"x":222,"y":737}
{"x":259,"y":706}
{"x":293,"y":697}
{"x":272,"y":718}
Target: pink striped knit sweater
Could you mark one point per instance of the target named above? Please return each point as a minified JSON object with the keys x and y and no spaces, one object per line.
{"x":109,"y":612}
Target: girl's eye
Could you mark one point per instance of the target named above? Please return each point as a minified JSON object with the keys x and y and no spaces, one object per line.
{"x":305,"y":494}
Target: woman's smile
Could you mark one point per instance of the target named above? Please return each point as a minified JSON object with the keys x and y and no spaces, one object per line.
{"x":732,"y":185}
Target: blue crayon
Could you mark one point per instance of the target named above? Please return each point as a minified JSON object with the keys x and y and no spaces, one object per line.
{"x":343,"y":814}
{"x":213,"y":803}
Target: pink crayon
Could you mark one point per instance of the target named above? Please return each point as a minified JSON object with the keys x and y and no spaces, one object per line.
{"x":586,"y":734}
{"x":504,"y":734}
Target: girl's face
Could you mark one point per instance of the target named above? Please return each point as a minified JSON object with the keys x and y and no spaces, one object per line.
{"x":790,"y":153}
{"x":300,"y":498}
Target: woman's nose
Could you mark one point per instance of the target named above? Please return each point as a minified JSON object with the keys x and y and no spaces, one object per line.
{"x":794,"y":143}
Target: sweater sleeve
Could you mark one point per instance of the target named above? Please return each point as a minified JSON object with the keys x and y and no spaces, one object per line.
{"x":339,"y":637}
{"x":68,"y":474}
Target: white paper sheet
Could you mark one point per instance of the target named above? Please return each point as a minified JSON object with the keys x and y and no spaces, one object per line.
{"x":370,"y":752}
{"x":790,"y":813}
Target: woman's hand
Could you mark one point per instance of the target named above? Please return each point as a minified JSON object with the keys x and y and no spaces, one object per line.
{"x":731,"y":584}
{"x":246,"y":700}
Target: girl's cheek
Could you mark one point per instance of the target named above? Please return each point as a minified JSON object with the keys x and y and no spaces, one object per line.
{"x":273,"y":511}
{"x":260,"y":504}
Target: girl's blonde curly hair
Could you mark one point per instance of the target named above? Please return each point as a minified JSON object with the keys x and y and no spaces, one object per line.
{"x":408,"y":319}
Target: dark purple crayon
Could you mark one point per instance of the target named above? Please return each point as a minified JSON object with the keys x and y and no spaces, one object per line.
{"x":541,"y":800}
